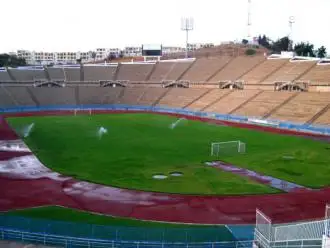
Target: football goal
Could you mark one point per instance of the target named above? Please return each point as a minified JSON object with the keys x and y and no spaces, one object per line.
{"x":228,"y":147}
{"x":82,"y":112}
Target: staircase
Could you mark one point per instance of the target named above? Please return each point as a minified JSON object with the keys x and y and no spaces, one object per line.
{"x":304,"y":73}
{"x":76,"y":95}
{"x":160,"y":98}
{"x":117,"y":71}
{"x":245,"y":102}
{"x":33,"y":97}
{"x":271,"y":73}
{"x":82,"y":73}
{"x":237,"y":78}
{"x":47,"y":73}
{"x":317,"y":115}
{"x":185,"y":71}
{"x":280,"y":106}
{"x":152,"y":71}
{"x":10,"y":96}
{"x":217,"y":100}
{"x":186,"y":106}
{"x":217,"y":71}
{"x":11,"y":75}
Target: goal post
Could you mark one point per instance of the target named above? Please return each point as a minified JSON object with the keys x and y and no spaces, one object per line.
{"x":82,"y":111}
{"x":228,"y":147}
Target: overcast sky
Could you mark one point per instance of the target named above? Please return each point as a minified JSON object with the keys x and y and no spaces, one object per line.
{"x":82,"y":25}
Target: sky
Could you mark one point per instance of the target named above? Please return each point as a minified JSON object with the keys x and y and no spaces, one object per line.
{"x":83,"y":25}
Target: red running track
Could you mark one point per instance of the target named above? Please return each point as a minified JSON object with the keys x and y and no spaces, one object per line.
{"x":38,"y":186}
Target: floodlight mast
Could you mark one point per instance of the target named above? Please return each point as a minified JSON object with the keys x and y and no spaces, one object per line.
{"x":187,"y":24}
{"x":291,"y":22}
{"x":249,"y":20}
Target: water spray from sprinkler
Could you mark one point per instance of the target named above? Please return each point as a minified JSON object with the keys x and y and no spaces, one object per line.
{"x":174,"y":124}
{"x":101,"y":131}
{"x":27,"y":130}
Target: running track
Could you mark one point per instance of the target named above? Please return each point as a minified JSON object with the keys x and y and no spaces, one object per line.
{"x":44,"y":187}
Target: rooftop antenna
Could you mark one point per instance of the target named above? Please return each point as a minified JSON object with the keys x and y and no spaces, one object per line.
{"x":187,"y":24}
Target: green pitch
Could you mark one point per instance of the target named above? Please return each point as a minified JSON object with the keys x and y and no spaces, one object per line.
{"x":137,"y":146}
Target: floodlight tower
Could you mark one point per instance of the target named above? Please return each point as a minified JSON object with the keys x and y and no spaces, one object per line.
{"x":291,"y":22}
{"x":187,"y":24}
{"x":249,"y":23}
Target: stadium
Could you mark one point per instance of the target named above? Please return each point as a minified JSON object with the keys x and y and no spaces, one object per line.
{"x":222,"y":151}
{"x":216,"y":146}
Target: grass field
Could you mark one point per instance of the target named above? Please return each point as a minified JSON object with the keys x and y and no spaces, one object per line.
{"x":77,"y":223}
{"x":137,"y":146}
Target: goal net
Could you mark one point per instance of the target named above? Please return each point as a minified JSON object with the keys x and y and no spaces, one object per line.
{"x":228,"y":147}
{"x":82,"y":112}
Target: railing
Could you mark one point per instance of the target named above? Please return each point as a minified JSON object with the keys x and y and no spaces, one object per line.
{"x":232,"y":118}
{"x":67,"y":241}
{"x":48,"y":231}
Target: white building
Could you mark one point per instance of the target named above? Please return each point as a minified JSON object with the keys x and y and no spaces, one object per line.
{"x":132,"y":51}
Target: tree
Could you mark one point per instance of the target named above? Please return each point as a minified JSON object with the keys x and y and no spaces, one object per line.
{"x":250,"y":52}
{"x":282,"y":44}
{"x":264,"y":41}
{"x":78,"y":61}
{"x":304,"y":49}
{"x":7,"y":60}
{"x":245,"y":41}
{"x":321,"y":52}
{"x":93,"y":55}
{"x":121,"y":54}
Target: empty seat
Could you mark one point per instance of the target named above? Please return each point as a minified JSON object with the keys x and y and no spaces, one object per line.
{"x":134,"y":72}
{"x":302,"y":107}
{"x":231,"y":101}
{"x":99,"y":72}
{"x":237,"y":67}
{"x":290,"y":71}
{"x":263,"y":103}
{"x":204,"y":68}
{"x":260,"y":72}
{"x":180,"y":97}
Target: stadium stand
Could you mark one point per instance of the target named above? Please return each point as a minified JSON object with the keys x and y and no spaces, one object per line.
{"x":290,"y":71}
{"x":302,"y":108}
{"x":20,"y":96}
{"x":230,"y":102}
{"x":28,"y":75}
{"x":180,"y":97}
{"x":261,"y":71}
{"x":131,"y":96}
{"x":54,"y":96}
{"x":72,"y":74}
{"x":206,"y":100}
{"x":99,"y":72}
{"x":318,"y":75}
{"x":237,"y":68}
{"x":98,"y":95}
{"x":324,"y":119}
{"x":179,"y":70}
{"x":152,"y":96}
{"x":264,"y":103}
{"x":56,"y":73}
{"x":4,"y":76}
{"x":204,"y":68}
{"x":5,"y":99}
{"x":134,"y":72}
